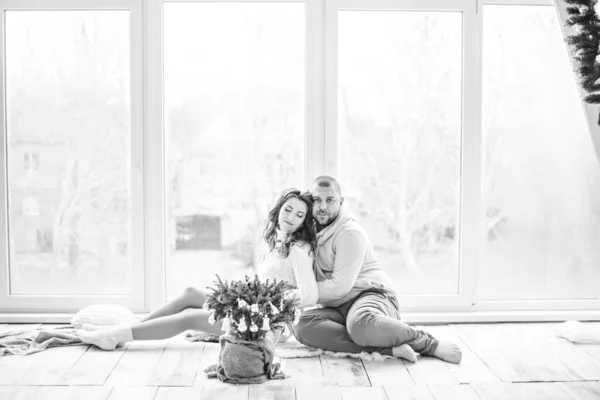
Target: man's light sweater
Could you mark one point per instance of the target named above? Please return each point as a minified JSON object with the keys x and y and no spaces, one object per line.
{"x":346,"y":263}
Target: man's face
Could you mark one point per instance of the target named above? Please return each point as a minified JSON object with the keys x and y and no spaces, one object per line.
{"x":327,"y":204}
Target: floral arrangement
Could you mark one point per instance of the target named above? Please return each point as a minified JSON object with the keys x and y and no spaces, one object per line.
{"x":249,"y":309}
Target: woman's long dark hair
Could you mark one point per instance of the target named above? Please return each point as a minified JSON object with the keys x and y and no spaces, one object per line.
{"x":304,"y":234}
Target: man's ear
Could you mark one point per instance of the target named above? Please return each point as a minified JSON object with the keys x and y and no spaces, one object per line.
{"x":341,"y":201}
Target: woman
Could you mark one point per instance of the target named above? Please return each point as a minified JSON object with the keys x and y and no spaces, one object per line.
{"x":291,"y":241}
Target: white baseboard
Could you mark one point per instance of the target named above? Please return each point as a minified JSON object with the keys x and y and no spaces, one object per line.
{"x":40,"y":318}
{"x":500,"y":316}
{"x":411,"y":318}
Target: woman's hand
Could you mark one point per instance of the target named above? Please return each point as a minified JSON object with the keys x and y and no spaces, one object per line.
{"x":293,"y":295}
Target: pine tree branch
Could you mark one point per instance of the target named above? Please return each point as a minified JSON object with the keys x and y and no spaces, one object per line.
{"x":586,"y":45}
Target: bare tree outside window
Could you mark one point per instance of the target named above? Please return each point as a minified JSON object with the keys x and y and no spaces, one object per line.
{"x":399,"y":123}
{"x":68,"y":104}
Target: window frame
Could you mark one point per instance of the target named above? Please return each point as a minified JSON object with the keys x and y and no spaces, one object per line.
{"x":550,"y":308}
{"x":48,"y":303}
{"x":471,"y":209}
{"x":148,"y":158}
{"x":470,"y":177}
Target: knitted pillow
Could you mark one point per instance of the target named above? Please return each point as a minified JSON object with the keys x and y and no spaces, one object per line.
{"x":103,"y":314}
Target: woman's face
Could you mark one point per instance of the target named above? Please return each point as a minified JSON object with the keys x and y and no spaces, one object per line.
{"x":292,"y":215}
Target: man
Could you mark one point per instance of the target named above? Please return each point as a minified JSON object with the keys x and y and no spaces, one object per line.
{"x":359,"y":310}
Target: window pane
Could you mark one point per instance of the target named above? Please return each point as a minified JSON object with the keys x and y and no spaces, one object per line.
{"x":68,"y":146}
{"x":399,"y":123}
{"x":234,"y":119}
{"x":541,"y":177}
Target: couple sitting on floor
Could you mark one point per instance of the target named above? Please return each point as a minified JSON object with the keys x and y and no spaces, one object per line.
{"x":329,"y":261}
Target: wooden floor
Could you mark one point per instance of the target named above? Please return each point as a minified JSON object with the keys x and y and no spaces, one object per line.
{"x":500,"y":361}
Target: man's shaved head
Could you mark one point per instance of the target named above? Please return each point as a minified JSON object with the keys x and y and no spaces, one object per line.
{"x":328,"y":181}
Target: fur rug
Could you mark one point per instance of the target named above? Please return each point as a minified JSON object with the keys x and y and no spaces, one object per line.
{"x":292,"y":348}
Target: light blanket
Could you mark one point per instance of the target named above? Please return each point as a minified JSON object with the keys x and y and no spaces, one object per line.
{"x":33,"y":341}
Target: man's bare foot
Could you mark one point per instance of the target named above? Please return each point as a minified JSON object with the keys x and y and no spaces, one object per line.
{"x":449,"y":352}
{"x":406,"y":352}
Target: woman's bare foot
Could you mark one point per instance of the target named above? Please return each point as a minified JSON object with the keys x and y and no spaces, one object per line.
{"x":449,"y":352}
{"x":406,"y":352}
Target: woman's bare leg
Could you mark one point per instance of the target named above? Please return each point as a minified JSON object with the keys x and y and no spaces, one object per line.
{"x":171,"y":325}
{"x":190,"y":298}
{"x":155,"y":329}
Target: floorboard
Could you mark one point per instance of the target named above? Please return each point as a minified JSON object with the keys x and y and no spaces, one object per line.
{"x":514,"y":361}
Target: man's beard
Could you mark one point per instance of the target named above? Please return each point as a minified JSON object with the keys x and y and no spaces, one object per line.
{"x":325,"y":223}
